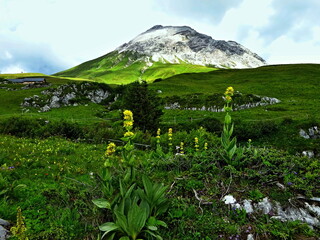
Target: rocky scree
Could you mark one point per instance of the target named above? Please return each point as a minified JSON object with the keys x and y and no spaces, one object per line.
{"x":215,"y":102}
{"x":70,"y":95}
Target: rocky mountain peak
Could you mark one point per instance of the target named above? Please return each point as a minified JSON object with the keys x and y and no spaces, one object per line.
{"x":176,"y":44}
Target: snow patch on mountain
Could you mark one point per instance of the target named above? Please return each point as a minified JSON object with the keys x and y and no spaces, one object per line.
{"x":183,"y":44}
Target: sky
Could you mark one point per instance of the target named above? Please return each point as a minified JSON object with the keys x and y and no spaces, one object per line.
{"x":49,"y":36}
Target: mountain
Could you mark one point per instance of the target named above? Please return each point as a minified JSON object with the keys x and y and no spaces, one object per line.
{"x":164,"y":51}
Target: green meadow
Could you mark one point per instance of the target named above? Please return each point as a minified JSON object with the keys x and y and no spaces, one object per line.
{"x":60,"y":168}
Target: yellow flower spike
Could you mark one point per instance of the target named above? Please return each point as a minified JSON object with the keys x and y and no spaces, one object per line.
{"x":229,"y":91}
{"x":128,"y":124}
{"x":205,"y":146}
{"x":228,"y":98}
{"x":128,"y":134}
{"x":128,"y":115}
{"x":170,"y":139}
{"x":111,"y":149}
{"x":196,"y":143}
{"x":181,"y":148}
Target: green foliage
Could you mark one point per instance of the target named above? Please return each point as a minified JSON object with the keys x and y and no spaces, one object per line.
{"x":32,"y":127}
{"x":134,"y":209}
{"x":232,"y":154}
{"x":148,"y":111}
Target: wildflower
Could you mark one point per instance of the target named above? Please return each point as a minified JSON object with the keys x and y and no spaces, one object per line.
{"x":158,"y":133}
{"x":205,"y":146}
{"x":196,"y":143}
{"x":170,"y":139}
{"x":229,"y":91}
{"x":128,"y":124}
{"x":128,"y":115}
{"x":111,"y":149}
{"x":128,"y":134}
{"x":181,"y":148}
{"x":228,"y":98}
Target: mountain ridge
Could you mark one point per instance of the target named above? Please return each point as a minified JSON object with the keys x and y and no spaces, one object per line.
{"x":164,"y":51}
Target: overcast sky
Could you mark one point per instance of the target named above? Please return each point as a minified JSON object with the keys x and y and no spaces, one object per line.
{"x":48,"y":36}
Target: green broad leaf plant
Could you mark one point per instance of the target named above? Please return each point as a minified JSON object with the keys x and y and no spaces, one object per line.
{"x":232,"y":154}
{"x":135,"y":209}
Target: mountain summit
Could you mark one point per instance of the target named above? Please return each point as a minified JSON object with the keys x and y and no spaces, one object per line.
{"x":164,"y":51}
{"x":176,"y":44}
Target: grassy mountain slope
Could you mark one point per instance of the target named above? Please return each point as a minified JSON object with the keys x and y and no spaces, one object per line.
{"x":122,"y":68}
{"x":40,"y":75}
{"x":296,"y":85}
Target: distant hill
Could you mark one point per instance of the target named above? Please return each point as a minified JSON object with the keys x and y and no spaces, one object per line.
{"x":162,"y":52}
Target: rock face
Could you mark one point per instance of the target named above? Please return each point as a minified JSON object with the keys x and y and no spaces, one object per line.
{"x":308,"y":212}
{"x":311,"y":133}
{"x":68,"y":95}
{"x":184,"y":44}
{"x":263,"y":101}
{"x":4,"y":233}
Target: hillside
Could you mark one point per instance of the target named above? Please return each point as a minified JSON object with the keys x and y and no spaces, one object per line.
{"x":57,"y":165}
{"x":115,"y":68}
{"x":294,"y":85}
{"x":162,"y":52}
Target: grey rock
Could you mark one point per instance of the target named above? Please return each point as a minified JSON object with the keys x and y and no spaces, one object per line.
{"x":54,"y":102}
{"x":65,"y":100}
{"x":45,"y":108}
{"x":4,"y":222}
{"x":303,"y":134}
{"x":250,"y":237}
{"x":247,"y":205}
{"x":4,"y":233}
{"x":265,"y":205}
{"x":173,"y":44}
{"x":309,"y":154}
{"x":309,"y":214}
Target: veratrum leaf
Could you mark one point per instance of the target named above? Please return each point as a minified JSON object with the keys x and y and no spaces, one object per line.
{"x":153,"y":228}
{"x":124,"y":238}
{"x":102,"y":203}
{"x":108,"y":227}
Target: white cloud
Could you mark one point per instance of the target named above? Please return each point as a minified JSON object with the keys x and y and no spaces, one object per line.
{"x":58,"y":34}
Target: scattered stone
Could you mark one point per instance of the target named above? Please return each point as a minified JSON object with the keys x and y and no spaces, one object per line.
{"x":229,"y":199}
{"x":264,"y":101}
{"x":309,"y":154}
{"x":281,"y":186}
{"x":247,"y":205}
{"x":311,"y":133}
{"x":67,"y":95}
{"x":265,"y":206}
{"x":250,"y":237}
{"x":4,"y":233}
{"x":304,"y":134}
{"x":308,"y":213}
{"x":4,"y":223}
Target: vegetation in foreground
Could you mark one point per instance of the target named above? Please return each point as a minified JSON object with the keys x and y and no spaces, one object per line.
{"x":57,"y":177}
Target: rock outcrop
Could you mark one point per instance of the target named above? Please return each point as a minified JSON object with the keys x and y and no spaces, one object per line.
{"x":68,"y":95}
